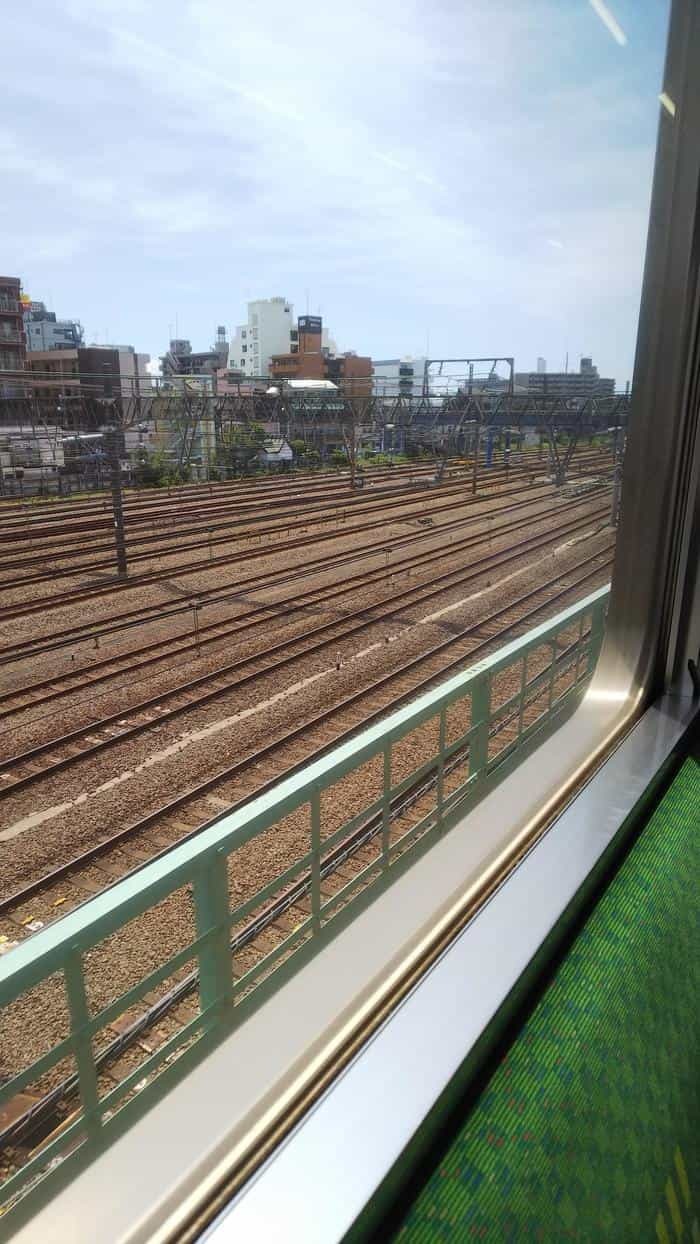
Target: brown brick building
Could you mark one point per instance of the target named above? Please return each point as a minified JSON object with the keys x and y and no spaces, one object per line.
{"x":308,"y":360}
{"x":351,"y":372}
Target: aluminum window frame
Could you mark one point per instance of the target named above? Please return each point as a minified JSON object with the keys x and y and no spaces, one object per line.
{"x":642,"y":653}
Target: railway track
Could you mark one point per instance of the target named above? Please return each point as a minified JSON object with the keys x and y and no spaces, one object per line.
{"x":163,"y":522}
{"x":225,"y":499}
{"x":149,"y":502}
{"x":48,"y":690}
{"x":133,"y":845}
{"x":309,"y":511}
{"x":50,"y":573}
{"x":290,"y":502}
{"x":76,"y":746}
{"x":145,"y":578}
{"x":156,"y":612}
{"x":179,"y":818}
{"x":284,"y":911}
{"x":148,"y":505}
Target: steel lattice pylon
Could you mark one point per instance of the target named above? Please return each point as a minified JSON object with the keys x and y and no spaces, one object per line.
{"x":196,"y":428}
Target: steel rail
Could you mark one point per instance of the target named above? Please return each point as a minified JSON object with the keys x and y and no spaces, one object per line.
{"x":154,"y":499}
{"x":234,"y":770}
{"x":326,"y":500}
{"x":232,"y":501}
{"x":101,"y":588}
{"x":215,"y":631}
{"x":354,"y":622}
{"x":146,"y":502}
{"x":39,"y":1112}
{"x":141,"y":613}
{"x":238,"y":528}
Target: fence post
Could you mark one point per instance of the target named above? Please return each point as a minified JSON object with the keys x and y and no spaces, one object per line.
{"x":523,"y":693}
{"x":315,"y":802}
{"x":480,"y":720}
{"x":82,"y":1041}
{"x":553,"y":672}
{"x":595,"y":640}
{"x":440,"y":783}
{"x":211,"y":909}
{"x":386,"y":805}
{"x":579,"y":649}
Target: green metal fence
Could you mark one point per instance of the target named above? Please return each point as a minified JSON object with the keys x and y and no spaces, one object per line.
{"x":116,"y":1001}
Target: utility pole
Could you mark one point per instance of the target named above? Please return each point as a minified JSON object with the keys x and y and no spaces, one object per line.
{"x":477,"y":447}
{"x":616,"y":495}
{"x":350,"y":436}
{"x":137,"y":386}
{"x":618,"y":457}
{"x":115,"y":474}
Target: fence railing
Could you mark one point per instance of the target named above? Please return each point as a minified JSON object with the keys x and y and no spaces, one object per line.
{"x":101,"y":1011}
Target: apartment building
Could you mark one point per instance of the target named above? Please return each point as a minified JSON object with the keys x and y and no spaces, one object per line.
{"x":269,"y":330}
{"x":44,"y":331}
{"x":309,"y":359}
{"x":13,"y":347}
{"x":92,"y":371}
{"x":586,"y":382}
{"x":398,"y":377}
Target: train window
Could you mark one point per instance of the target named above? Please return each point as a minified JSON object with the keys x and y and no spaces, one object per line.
{"x":276,"y":620}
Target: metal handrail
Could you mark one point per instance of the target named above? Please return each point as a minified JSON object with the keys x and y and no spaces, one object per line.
{"x":564,"y":650}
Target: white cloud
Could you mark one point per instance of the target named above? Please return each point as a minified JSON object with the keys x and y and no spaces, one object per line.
{"x":188,"y":211}
{"x":19,"y":160}
{"x":409,"y":171}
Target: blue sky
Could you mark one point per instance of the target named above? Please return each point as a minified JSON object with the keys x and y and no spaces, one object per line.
{"x":482,"y":174}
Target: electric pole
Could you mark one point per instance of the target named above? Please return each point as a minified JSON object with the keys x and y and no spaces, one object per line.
{"x":115,"y":479}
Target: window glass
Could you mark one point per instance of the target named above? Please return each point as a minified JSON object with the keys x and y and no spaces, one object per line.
{"x":257,"y":498}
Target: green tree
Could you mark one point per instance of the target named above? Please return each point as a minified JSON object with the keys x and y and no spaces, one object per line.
{"x":151,"y":470}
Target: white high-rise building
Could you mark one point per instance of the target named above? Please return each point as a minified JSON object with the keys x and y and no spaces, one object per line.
{"x":270,"y":329}
{"x":398,"y":377}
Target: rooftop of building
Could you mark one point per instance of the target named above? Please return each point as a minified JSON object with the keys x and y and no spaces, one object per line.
{"x":275,"y":444}
{"x":310,"y":384}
